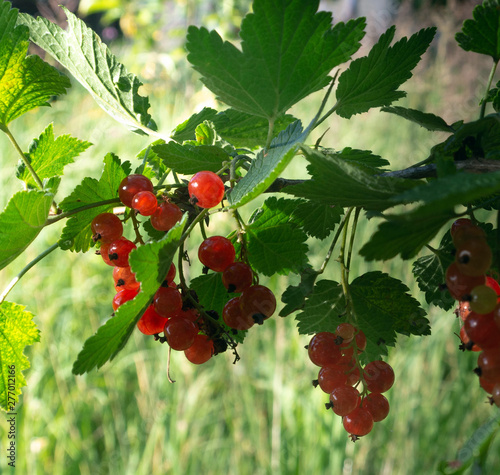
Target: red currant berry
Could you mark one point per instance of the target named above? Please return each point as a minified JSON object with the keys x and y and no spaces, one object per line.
{"x":346,"y":332}
{"x":123,"y":296}
{"x":201,"y":350}
{"x":377,"y":405}
{"x":344,"y":400}
{"x":460,"y":223}
{"x":237,"y":277}
{"x":124,"y":278}
{"x":491,"y":282}
{"x":466,"y":341}
{"x":151,"y":323}
{"x":119,"y":252}
{"x":464,"y":233}
{"x":495,"y":394}
{"x":379,"y":376}
{"x":488,"y":362}
{"x":463,"y":310}
{"x":131,"y":185}
{"x":171,"y":273}
{"x":180,"y":333}
{"x":166,"y":216}
{"x":459,"y":285}
{"x":167,"y":301}
{"x":473,"y":257}
{"x":216,"y":253}
{"x":332,"y":377}
{"x":483,"y":299}
{"x":482,"y":330}
{"x":145,"y":202}
{"x":206,"y":189}
{"x":106,"y":227}
{"x":257,"y":302}
{"x":358,"y":423}
{"x":486,"y":385}
{"x":234,"y":318}
{"x":104,"y":251}
{"x":323,"y":349}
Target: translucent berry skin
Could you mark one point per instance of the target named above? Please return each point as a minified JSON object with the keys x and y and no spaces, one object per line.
{"x":151,"y":322}
{"x":166,"y":216}
{"x":206,"y":189}
{"x":124,"y":278}
{"x":483,"y":299}
{"x":491,"y":282}
{"x":377,"y":405}
{"x":131,"y":185}
{"x":106,"y":227}
{"x":216,"y":253}
{"x":379,"y":376}
{"x":459,"y":284}
{"x":488,"y":362}
{"x":332,"y":377}
{"x":482,"y":329}
{"x":346,"y":332}
{"x":323,"y":349}
{"x":167,"y":301}
{"x":258,"y":302}
{"x":180,"y":333}
{"x":473,"y":257}
{"x":119,"y":251}
{"x":466,"y":232}
{"x":495,"y":394}
{"x":104,"y":250}
{"x":344,"y":400}
{"x":234,"y":318}
{"x":123,"y":296}
{"x":468,"y":344}
{"x":359,"y":422}
{"x":460,"y":223}
{"x":171,"y":273}
{"x":145,"y":202}
{"x":201,"y":350}
{"x":237,"y":277}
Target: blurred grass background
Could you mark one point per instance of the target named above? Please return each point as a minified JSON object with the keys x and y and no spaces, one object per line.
{"x":261,"y":415}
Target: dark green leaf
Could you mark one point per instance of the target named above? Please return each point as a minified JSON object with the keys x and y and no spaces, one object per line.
{"x":373,"y":81}
{"x":317,"y":219}
{"x":383,"y":307}
{"x":482,"y":34}
{"x":83,"y":54}
{"x":77,"y":234}
{"x":288,"y":50}
{"x":17,"y":330}
{"x":189,"y":159}
{"x":150,"y":263}
{"x":21,"y":221}
{"x":275,"y":244}
{"x":295,"y":295}
{"x":424,"y":119}
{"x":323,"y":309}
{"x":337,"y":181}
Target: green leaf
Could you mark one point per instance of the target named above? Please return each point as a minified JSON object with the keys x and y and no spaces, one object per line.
{"x":444,"y":193}
{"x":317,"y":219}
{"x":274,"y":243}
{"x":238,"y":128}
{"x":150,"y":263}
{"x":48,"y":156}
{"x":265,"y":168}
{"x":373,"y":81}
{"x":76,"y":235}
{"x":383,"y":307}
{"x":295,"y":295}
{"x":26,"y":82}
{"x":430,"y":272}
{"x":323,"y":309}
{"x":287,"y":52}
{"x":21,"y":221}
{"x":338,"y":181}
{"x":482,"y":34}
{"x":424,"y":119}
{"x":404,"y":234}
{"x":189,"y":159}
{"x":211,"y":292}
{"x":83,"y":54}
{"x":17,"y":330}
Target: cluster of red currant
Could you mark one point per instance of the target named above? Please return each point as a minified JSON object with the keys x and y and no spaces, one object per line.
{"x":174,"y":311}
{"x":341,"y":373}
{"x":479,"y":302}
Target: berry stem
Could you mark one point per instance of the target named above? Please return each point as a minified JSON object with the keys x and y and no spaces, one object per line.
{"x":488,"y":86}
{"x":135,"y":222}
{"x":57,"y":218}
{"x":317,"y":121}
{"x":18,"y":277}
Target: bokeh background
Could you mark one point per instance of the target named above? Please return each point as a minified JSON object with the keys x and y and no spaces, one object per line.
{"x":261,"y":415}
